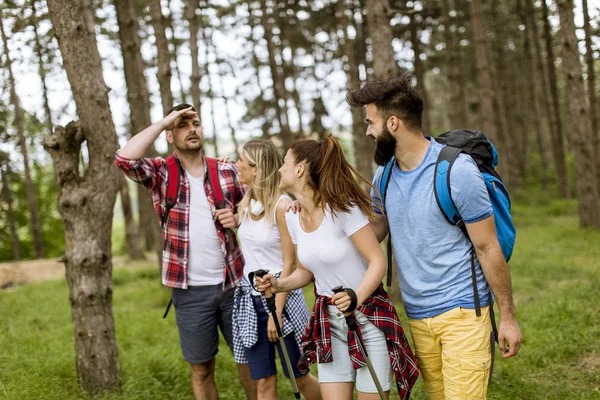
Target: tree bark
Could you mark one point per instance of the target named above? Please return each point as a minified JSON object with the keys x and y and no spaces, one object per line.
{"x":157,"y":19}
{"x":550,"y":59}
{"x":456,"y":109}
{"x":175,"y":44}
{"x":508,"y":166}
{"x":86,"y":200}
{"x":558,"y":152}
{"x":36,"y":226}
{"x":295,"y":93}
{"x":139,"y":106}
{"x":220,"y":76}
{"x":380,"y":31}
{"x":363,"y":145}
{"x":419,"y":71}
{"x":484,"y":78}
{"x":579,"y":120}
{"x":194,"y":26}
{"x":534,"y":94}
{"x":265,"y":126}
{"x":591,"y":81}
{"x":7,"y":197}
{"x":132,"y":234}
{"x":206,"y":37}
{"x":278,"y":81}
{"x":38,"y":49}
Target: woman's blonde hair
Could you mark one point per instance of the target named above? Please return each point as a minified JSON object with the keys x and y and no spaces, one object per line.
{"x":264,"y":155}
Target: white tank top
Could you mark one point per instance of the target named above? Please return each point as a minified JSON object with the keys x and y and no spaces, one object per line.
{"x":261,"y":244}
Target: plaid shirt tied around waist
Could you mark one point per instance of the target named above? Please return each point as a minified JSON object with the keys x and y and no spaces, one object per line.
{"x":153,"y":173}
{"x":379,"y":309}
{"x":245,"y":326}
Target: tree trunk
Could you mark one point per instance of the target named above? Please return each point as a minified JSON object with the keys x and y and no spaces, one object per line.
{"x":41,"y":69}
{"x":456,"y":109}
{"x":362,"y":144}
{"x":175,"y":44}
{"x":579,"y":120}
{"x":534,"y":94}
{"x":132,"y":234}
{"x":558,"y":151}
{"x":7,"y":197}
{"x":508,"y":147}
{"x":139,"y":106}
{"x":288,"y":68}
{"x":157,"y":19}
{"x":206,"y":37}
{"x":484,"y":79}
{"x":220,"y":76}
{"x":194,"y":26}
{"x":86,"y":201}
{"x":278,"y":89}
{"x":265,"y":126}
{"x":295,"y":93}
{"x":36,"y":227}
{"x":591,"y":80}
{"x":419,"y":71}
{"x":360,"y":41}
{"x":380,"y":31}
{"x":550,"y":59}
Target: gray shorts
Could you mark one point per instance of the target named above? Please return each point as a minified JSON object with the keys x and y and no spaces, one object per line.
{"x":341,"y":370}
{"x":199,"y":310}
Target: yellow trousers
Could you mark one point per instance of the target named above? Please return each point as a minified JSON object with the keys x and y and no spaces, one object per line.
{"x":453,"y":350}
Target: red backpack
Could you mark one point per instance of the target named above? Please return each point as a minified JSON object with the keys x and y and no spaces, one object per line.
{"x":174,"y":178}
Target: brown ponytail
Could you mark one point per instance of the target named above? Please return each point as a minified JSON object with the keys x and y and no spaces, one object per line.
{"x":331,"y":176}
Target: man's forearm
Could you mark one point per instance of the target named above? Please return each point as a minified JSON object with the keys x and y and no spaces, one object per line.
{"x":137,"y":146}
{"x":497,"y":275}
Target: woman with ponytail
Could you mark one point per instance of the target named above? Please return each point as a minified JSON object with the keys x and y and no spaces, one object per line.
{"x":336,"y":246}
{"x":266,"y":244}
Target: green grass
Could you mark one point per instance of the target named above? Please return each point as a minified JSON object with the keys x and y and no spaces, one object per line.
{"x":556,"y":283}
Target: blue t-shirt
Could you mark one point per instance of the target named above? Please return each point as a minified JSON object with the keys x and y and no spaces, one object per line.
{"x":433,"y":256}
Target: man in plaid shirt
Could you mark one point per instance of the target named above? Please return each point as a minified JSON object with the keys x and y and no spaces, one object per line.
{"x":201,"y":259}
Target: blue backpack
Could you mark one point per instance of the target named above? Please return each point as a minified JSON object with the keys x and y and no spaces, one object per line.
{"x":483,"y":152}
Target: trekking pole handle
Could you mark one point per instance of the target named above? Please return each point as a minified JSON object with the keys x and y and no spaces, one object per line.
{"x":350,"y":318}
{"x":260,"y":273}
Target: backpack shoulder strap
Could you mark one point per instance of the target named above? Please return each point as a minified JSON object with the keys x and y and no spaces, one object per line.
{"x":385,"y":180}
{"x":213,"y":181}
{"x":441,"y":185}
{"x":173,"y":178}
{"x":383,"y":186}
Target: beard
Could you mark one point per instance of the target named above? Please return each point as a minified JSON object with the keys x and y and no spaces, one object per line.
{"x":385,"y":147}
{"x":190,"y":147}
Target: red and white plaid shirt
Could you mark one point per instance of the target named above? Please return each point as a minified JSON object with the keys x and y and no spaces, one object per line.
{"x":153,"y":173}
{"x":379,"y":309}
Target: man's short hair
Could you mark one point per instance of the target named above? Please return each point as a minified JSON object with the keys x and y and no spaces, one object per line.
{"x":396,"y":96}
{"x":180,"y":107}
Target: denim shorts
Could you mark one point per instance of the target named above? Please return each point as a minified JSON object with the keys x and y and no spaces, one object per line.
{"x":200,"y":311}
{"x":261,"y":356}
{"x":341,"y":369}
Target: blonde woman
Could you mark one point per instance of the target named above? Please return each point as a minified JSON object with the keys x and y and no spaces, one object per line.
{"x":266,"y":244}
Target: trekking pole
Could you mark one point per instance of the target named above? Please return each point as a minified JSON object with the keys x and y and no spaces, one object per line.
{"x":273,"y":309}
{"x":351,"y":322}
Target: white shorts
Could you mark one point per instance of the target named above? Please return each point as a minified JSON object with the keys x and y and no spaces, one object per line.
{"x":341,"y":369}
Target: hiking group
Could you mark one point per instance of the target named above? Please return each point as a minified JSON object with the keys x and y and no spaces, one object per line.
{"x":440,"y":201}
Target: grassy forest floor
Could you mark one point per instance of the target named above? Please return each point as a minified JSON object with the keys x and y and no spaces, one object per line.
{"x":556,"y":283}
